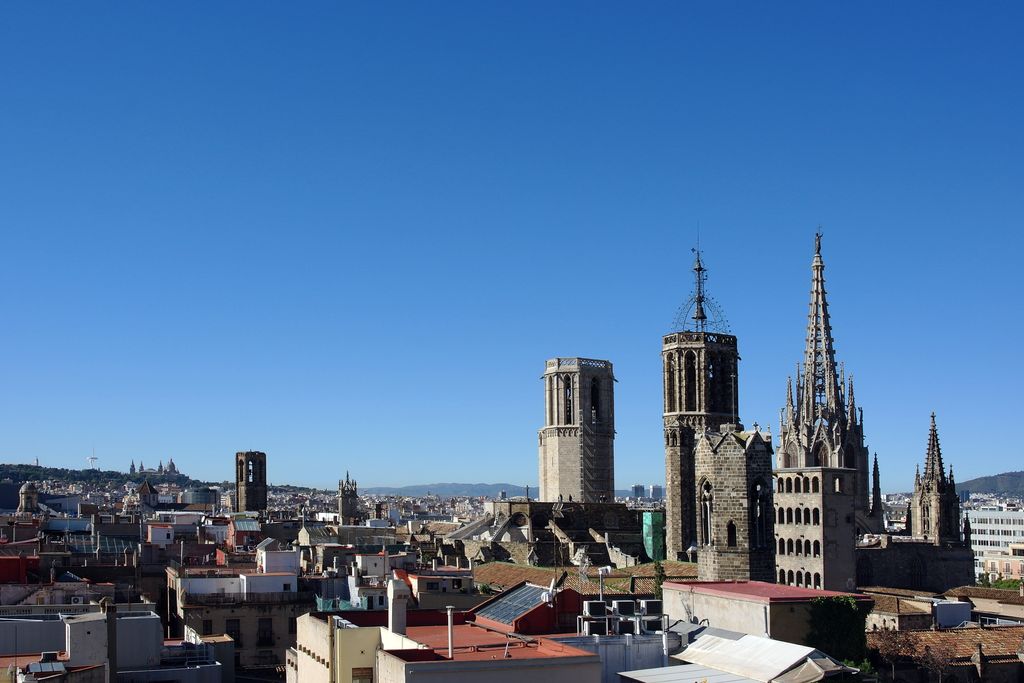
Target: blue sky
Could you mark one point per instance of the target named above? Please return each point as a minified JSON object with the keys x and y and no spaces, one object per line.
{"x":350,"y":234}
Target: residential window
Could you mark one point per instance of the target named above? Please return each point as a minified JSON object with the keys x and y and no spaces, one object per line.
{"x":233,"y":628}
{"x":207,"y":627}
{"x":265,"y":632}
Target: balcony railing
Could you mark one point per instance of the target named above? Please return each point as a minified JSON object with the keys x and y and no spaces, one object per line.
{"x":289,"y":598}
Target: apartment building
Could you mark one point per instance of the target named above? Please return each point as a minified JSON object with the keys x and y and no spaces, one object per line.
{"x":994,"y":528}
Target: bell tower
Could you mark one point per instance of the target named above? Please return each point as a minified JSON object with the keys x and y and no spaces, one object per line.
{"x":700,"y":380}
{"x":251,"y":481}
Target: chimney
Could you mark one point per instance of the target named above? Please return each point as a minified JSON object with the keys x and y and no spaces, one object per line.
{"x":109,"y":610}
{"x":398,"y":596}
{"x":433,"y":564}
{"x":451,"y":632}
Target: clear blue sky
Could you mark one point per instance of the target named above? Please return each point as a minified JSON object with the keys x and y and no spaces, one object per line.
{"x":350,"y":234}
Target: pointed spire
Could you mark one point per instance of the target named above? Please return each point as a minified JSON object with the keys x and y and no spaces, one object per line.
{"x":699,"y":317}
{"x":876,"y":490}
{"x":933,"y":469}
{"x":821,"y":393}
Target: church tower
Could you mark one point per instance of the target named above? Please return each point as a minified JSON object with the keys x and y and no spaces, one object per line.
{"x":822,"y":480}
{"x":251,"y":481}
{"x":348,"y":501}
{"x":699,"y":373}
{"x":576,"y":443}
{"x":935,"y":506}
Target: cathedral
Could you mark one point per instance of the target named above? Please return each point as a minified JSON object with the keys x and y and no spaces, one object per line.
{"x":816,"y":520}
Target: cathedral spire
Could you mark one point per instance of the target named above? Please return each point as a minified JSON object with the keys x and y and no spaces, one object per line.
{"x":821,"y":395}
{"x":933,"y":469}
{"x":699,"y":317}
{"x":876,"y":490}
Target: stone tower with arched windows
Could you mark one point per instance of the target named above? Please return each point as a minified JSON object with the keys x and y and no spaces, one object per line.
{"x":576,"y":443}
{"x":822,"y":480}
{"x":699,"y":374}
{"x":251,"y":481}
{"x":736,"y":520}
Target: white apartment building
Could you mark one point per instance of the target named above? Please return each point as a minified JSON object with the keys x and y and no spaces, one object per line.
{"x":993,"y":529}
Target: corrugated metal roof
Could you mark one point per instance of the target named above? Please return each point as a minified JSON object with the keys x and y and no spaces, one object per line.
{"x":687,"y":673}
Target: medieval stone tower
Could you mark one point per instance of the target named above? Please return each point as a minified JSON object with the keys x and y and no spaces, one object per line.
{"x":251,"y":481}
{"x":28,"y":498}
{"x":699,"y":372}
{"x":576,"y":443}
{"x":348,"y":501}
{"x":736,"y":534}
{"x":935,"y":506}
{"x":821,"y":496}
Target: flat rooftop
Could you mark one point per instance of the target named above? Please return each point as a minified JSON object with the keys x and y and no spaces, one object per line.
{"x":756,"y":591}
{"x":473,"y":644}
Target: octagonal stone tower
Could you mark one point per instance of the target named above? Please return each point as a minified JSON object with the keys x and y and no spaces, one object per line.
{"x":576,"y":443}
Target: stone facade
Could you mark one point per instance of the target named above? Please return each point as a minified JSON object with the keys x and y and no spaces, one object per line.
{"x":700,"y":380}
{"x":914,"y":564}
{"x":734,"y":499}
{"x":348,"y":501}
{"x":251,"y":481}
{"x":576,"y":453}
{"x":935,"y":506}
{"x":822,"y":463}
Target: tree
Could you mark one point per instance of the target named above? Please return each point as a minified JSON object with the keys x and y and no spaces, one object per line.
{"x":893,"y":645}
{"x":936,"y":658}
{"x":659,"y":578}
{"x":837,"y":627}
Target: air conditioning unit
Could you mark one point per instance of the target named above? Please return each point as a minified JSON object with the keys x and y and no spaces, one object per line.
{"x":651,"y":625}
{"x":595,"y":608}
{"x":626,"y":626}
{"x":624,"y":608}
{"x":595,"y":628}
{"x":77,"y":600}
{"x":650,"y":607}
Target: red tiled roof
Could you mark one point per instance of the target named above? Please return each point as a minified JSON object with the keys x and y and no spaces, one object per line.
{"x":963,"y":642}
{"x":472,"y":643}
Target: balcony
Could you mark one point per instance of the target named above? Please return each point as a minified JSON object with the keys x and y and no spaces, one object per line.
{"x":215,"y":599}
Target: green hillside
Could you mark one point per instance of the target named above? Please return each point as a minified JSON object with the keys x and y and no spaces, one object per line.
{"x":1007,"y":484}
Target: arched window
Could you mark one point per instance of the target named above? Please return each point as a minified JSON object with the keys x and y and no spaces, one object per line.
{"x":796,"y":486}
{"x":789,"y":515}
{"x":789,"y":577}
{"x":567,"y":395}
{"x":782,"y":576}
{"x":807,"y":548}
{"x":807,"y":484}
{"x":670,"y":383}
{"x":807,"y":515}
{"x":789,"y":485}
{"x":817,"y":549}
{"x":817,"y":580}
{"x":690,"y":381}
{"x":782,"y":547}
{"x":839,"y":484}
{"x":595,"y":401}
{"x":816,"y":455}
{"x":779,"y":484}
{"x":760,"y":505}
{"x":782,"y":516}
{"x":807,"y":579}
{"x":814,"y":485}
{"x":789,"y":547}
{"x":816,"y":517}
{"x":799,"y":578}
{"x":706,"y":508}
{"x":798,"y":548}
{"x":730,"y":534}
{"x":798,"y":516}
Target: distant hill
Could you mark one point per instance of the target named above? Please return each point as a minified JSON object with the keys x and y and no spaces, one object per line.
{"x":457,"y":490}
{"x":19,"y":474}
{"x":1007,"y":484}
{"x":449,"y":489}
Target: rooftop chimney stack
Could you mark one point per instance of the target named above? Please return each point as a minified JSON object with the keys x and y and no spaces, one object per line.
{"x":398,"y":596}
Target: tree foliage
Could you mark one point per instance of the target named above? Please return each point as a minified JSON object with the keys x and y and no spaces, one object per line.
{"x":837,"y":627}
